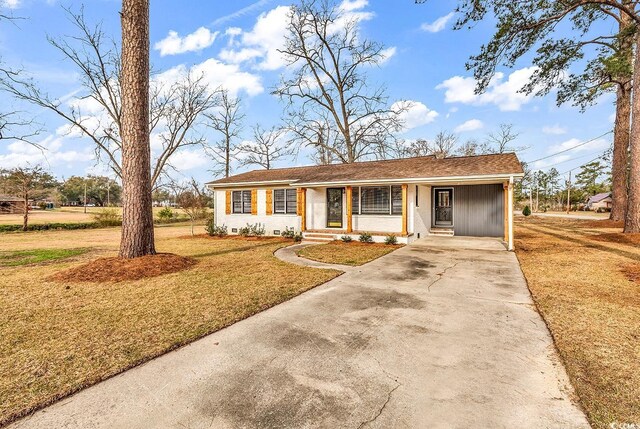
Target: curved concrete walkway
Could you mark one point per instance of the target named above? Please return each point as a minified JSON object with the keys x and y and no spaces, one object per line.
{"x":288,"y":254}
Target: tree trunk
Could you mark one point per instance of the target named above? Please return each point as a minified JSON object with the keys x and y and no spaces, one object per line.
{"x":621,"y":133}
{"x":137,"y":214}
{"x":25,"y":218}
{"x":632,"y":218}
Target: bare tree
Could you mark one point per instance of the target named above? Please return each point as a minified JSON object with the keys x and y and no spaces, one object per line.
{"x":469,"y":148}
{"x":325,"y":84}
{"x":27,"y":183}
{"x":227,"y":120}
{"x":137,"y":237}
{"x":443,"y":144}
{"x":499,"y":141}
{"x":193,"y":201}
{"x":268,"y":147}
{"x":14,"y":127}
{"x":96,"y":112}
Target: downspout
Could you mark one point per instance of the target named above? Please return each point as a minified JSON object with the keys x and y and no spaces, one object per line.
{"x":510,"y":211}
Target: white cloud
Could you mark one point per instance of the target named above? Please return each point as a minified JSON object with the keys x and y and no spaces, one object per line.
{"x":261,"y":44}
{"x":416,"y":115}
{"x":554,"y":130}
{"x":470,"y":125}
{"x":352,"y":10}
{"x":217,"y":74}
{"x":173,"y":44}
{"x":506,"y":94}
{"x":387,"y":54}
{"x":573,"y":143}
{"x":551,"y":161}
{"x":188,"y":159}
{"x":439,"y":24}
{"x":20,"y":154}
{"x":10,"y":4}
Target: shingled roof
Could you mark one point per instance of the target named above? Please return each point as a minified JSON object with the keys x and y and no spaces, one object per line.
{"x":410,"y":168}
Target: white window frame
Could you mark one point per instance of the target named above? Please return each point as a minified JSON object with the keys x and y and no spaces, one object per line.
{"x":390,"y":213}
{"x":286,"y":202}
{"x":243,"y":209}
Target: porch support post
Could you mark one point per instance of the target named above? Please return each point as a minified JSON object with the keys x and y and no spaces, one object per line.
{"x":510,"y":201}
{"x":404,"y":209}
{"x":505,"y":197}
{"x":303,"y":209}
{"x":349,"y":210}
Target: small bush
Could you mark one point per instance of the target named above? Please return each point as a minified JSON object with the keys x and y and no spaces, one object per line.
{"x":108,"y":217}
{"x":51,"y":226}
{"x":297,"y":238}
{"x":257,"y":229}
{"x":346,"y":238}
{"x":166,"y":214}
{"x":245,"y":231}
{"x":365,"y":237}
{"x":391,"y":240}
{"x":215,"y":230}
{"x":292,"y":234}
{"x":526,"y":211}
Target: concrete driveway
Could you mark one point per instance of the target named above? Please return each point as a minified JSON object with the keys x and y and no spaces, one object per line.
{"x":439,"y":334}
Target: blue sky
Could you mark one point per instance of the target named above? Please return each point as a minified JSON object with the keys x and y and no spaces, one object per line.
{"x":235,"y":44}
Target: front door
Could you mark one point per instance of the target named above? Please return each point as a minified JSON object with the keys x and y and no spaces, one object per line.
{"x":334,"y":207}
{"x":444,"y":207}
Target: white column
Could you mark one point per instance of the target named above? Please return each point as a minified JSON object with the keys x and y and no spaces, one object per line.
{"x":510,"y":202}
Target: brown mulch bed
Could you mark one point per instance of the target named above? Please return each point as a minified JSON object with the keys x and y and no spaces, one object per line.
{"x":119,"y":269}
{"x":604,"y":223}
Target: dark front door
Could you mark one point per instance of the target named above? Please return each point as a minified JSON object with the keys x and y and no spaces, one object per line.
{"x":444,"y":207}
{"x":334,"y":207}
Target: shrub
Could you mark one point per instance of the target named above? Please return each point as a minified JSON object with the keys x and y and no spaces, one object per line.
{"x":257,"y":229}
{"x":245,"y":231}
{"x":365,"y":237}
{"x":391,"y":240}
{"x":215,"y":230}
{"x":288,"y":233}
{"x":108,"y":217}
{"x":526,"y":211}
{"x":346,"y":238}
{"x":166,"y":214}
{"x":297,"y":238}
{"x":51,"y":226}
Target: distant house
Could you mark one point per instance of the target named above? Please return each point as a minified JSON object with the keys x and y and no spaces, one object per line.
{"x":11,"y":205}
{"x":410,"y":198}
{"x":602,"y":201}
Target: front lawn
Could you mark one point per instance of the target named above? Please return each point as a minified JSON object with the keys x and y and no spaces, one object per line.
{"x":58,"y":337}
{"x":583,"y":276}
{"x":338,"y":252}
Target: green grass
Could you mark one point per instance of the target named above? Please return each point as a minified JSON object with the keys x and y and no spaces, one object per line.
{"x":35,"y":256}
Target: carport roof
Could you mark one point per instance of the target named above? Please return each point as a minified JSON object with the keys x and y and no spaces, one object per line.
{"x":396,"y":169}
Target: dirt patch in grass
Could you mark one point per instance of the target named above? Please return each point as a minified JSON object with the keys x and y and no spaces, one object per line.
{"x":584,"y":283}
{"x":35,"y":256}
{"x":354,"y":253}
{"x":119,"y":269}
{"x":57,"y":338}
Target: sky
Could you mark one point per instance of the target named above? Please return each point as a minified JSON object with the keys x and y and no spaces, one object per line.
{"x":235,"y":44}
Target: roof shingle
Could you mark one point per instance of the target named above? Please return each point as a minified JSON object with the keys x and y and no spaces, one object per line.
{"x":409,"y":168}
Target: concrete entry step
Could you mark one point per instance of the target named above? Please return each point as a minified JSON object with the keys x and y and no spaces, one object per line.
{"x":442,"y":231}
{"x":318,"y":235}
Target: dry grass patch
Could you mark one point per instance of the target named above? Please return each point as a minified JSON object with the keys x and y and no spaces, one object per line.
{"x":60,"y":337}
{"x":579,"y":275}
{"x":354,"y":253}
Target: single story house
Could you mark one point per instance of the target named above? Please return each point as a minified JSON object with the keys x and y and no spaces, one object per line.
{"x":410,"y":198}
{"x":602,"y":201}
{"x":11,"y":205}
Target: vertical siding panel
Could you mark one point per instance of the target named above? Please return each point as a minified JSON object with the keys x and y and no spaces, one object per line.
{"x":478,"y":210}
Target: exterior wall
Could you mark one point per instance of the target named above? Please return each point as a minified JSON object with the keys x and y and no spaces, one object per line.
{"x":377,"y":223}
{"x":11,"y":207}
{"x":478,"y":210}
{"x":271,"y":222}
{"x":420,"y":219}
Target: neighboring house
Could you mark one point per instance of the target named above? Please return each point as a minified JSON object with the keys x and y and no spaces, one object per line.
{"x":600,"y":201}
{"x":11,"y":205}
{"x":410,"y":198}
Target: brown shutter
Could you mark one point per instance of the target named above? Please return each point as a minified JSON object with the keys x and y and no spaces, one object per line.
{"x":228,"y":202}
{"x":299,"y":202}
{"x":254,"y":201}
{"x":269,"y":202}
